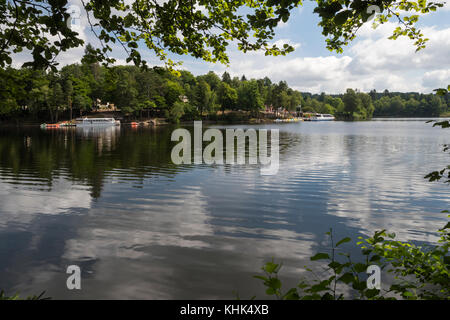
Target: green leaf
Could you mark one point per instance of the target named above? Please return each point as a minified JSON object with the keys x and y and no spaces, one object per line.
{"x":320,"y":256}
{"x":322,"y":286}
{"x":346,"y":239}
{"x":270,"y":267}
{"x":327,"y":296}
{"x":407,"y":294}
{"x":370,"y":293}
{"x":342,"y":17}
{"x":334,"y":265}
{"x":360,"y":267}
{"x":274,"y":283}
{"x":270,"y":291}
{"x":347,"y":278}
{"x":447,"y":226}
{"x":292,"y":294}
{"x":359,"y":285}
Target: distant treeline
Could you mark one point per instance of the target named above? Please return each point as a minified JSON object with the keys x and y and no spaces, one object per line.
{"x":79,"y":88}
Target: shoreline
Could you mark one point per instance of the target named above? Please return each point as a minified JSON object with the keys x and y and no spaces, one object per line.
{"x":156,"y":122}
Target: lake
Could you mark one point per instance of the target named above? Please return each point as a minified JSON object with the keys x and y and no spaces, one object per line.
{"x":140,"y":227}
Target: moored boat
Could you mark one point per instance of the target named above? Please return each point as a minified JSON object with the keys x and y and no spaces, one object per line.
{"x":50,"y":126}
{"x":97,"y":122}
{"x":322,"y":117}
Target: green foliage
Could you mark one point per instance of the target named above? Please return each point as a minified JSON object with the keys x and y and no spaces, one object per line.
{"x":29,"y":25}
{"x":191,"y":112}
{"x":226,"y":96}
{"x":353,"y":106}
{"x":41,"y":296}
{"x":83,"y":87}
{"x":176,"y":112}
{"x":442,"y":91}
{"x":180,"y":27}
{"x":444,"y":173}
{"x":203,"y":96}
{"x":409,"y":104}
{"x":420,"y":272}
{"x":342,"y":19}
{"x":351,"y":101}
{"x":249,"y":97}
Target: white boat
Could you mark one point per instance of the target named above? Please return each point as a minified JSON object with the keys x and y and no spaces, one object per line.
{"x":96,"y":122}
{"x":322,"y":117}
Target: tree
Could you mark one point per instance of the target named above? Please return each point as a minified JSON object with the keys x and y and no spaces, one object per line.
{"x":249,"y":97}
{"x":56,"y":101}
{"x":296,"y":100}
{"x":279,"y":99}
{"x":227,"y":96}
{"x":68,"y":92}
{"x":203,"y":96}
{"x":435,"y":106}
{"x":43,"y":26}
{"x":351,"y":102}
{"x":397,"y":105}
{"x":176,"y":112}
{"x":284,"y":100}
{"x":366,"y":107}
{"x":226,"y":78}
{"x":10,"y":90}
{"x":173,"y":91}
{"x":212,"y":79}
{"x":40,"y":92}
{"x":28,"y":92}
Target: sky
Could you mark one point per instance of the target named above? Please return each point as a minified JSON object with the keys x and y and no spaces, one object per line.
{"x":371,"y":61}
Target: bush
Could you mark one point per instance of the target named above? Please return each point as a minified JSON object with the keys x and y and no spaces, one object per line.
{"x":3,"y":296}
{"x":419,"y":272}
{"x":190,"y":112}
{"x":176,"y":112}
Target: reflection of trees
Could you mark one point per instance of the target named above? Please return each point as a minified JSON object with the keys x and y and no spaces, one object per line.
{"x":85,"y":156}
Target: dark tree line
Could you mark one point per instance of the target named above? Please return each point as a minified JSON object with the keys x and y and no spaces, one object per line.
{"x":80,"y":88}
{"x":358,"y":105}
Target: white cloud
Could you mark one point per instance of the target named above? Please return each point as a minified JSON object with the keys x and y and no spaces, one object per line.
{"x":372,"y":61}
{"x":21,"y":205}
{"x":436,"y":78}
{"x":281,"y":42}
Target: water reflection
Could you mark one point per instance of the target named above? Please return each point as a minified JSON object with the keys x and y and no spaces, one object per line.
{"x":112,"y":202}
{"x":105,"y":137}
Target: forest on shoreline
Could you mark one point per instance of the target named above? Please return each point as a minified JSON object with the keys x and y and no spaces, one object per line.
{"x":79,"y":88}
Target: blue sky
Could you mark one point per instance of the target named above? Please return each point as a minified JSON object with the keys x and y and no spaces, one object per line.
{"x":369,"y":62}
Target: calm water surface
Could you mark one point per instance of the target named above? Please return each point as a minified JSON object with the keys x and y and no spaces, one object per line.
{"x":112,"y":202}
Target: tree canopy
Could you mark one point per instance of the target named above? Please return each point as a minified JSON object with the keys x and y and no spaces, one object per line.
{"x":80,"y":88}
{"x":201,"y":28}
